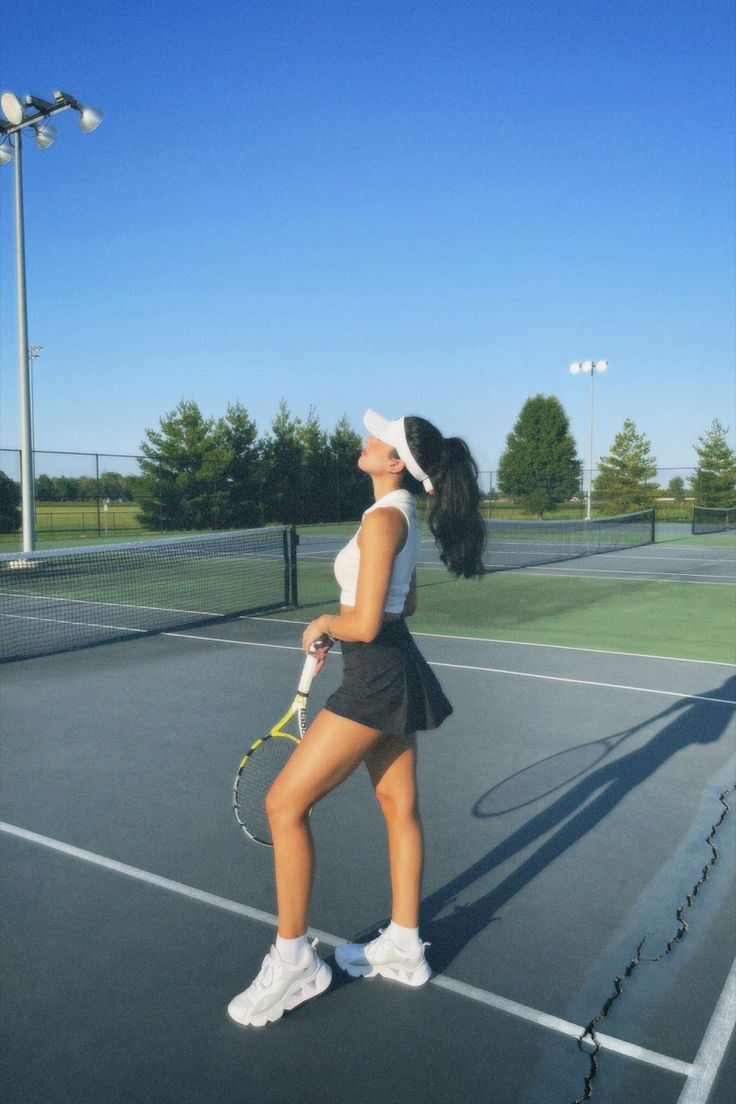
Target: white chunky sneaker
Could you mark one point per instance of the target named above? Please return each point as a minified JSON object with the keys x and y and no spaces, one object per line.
{"x":278,"y":988}
{"x":383,"y":958}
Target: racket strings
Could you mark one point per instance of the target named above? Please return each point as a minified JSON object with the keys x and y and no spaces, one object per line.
{"x":255,"y":780}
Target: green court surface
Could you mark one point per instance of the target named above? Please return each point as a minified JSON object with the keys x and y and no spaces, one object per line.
{"x":638,"y":616}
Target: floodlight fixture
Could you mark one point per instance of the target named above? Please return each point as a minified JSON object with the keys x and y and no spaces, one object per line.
{"x":89,"y":117}
{"x":6,"y":153}
{"x":12,"y":108}
{"x":45,"y":135}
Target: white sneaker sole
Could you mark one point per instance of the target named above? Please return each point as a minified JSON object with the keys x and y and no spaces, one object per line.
{"x":415,"y":976}
{"x":302,"y":991}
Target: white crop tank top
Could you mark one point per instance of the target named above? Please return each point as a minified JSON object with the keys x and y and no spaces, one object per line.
{"x":347,"y":560}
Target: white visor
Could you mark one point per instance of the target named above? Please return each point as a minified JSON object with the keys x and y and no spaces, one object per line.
{"x":393,"y":433}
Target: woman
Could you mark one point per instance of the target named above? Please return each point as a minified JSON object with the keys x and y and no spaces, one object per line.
{"x":388,"y":693}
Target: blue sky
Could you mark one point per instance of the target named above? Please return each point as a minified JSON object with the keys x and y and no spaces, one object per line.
{"x":425,"y":208}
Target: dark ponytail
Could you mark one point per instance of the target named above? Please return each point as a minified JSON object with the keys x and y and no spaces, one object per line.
{"x":454,"y":518}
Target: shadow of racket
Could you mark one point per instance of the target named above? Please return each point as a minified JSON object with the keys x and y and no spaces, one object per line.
{"x":548,"y":775}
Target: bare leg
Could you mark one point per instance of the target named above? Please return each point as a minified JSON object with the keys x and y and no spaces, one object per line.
{"x":331,"y":750}
{"x":392,"y":767}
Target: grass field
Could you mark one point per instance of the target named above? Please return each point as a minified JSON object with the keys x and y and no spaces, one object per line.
{"x":84,"y":517}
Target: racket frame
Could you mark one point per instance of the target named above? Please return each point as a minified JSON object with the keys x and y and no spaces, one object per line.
{"x":298,"y":709}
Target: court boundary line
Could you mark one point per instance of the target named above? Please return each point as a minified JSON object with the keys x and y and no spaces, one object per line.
{"x":571,"y":570}
{"x":517,"y":643}
{"x":712,"y":1049}
{"x":587,"y":682}
{"x":469,"y":667}
{"x":459,"y":988}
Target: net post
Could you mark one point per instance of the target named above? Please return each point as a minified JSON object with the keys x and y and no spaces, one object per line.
{"x":290,"y":541}
{"x":653,"y":523}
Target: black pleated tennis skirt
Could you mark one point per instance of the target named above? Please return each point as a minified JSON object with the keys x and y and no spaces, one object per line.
{"x":388,"y":685}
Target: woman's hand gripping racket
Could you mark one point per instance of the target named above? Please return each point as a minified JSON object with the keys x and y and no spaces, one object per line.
{"x":265,"y":759}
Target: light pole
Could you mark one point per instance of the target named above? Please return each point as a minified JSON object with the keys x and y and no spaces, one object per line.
{"x":34,"y":352}
{"x":591,"y":367}
{"x":19,"y":117}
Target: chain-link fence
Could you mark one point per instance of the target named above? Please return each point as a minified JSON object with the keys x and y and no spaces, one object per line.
{"x":670,"y":492}
{"x":111,"y":495}
{"x":104,"y":494}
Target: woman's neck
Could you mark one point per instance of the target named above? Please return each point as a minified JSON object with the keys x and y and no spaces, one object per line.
{"x":383,"y":485}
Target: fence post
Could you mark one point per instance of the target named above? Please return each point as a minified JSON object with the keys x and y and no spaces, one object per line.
{"x":97,"y":484}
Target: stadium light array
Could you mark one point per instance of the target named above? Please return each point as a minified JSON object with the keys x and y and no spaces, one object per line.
{"x":35,"y":113}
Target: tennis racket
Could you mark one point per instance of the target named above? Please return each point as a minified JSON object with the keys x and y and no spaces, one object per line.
{"x":264,"y":760}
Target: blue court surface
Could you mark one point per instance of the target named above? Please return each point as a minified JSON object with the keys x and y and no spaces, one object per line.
{"x":567,"y":805}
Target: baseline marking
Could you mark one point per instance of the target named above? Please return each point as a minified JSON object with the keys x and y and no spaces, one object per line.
{"x":513,"y":1008}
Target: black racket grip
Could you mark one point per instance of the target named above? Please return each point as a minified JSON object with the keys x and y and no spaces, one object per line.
{"x":323,"y":641}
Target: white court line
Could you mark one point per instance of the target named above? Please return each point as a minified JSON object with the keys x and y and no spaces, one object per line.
{"x":101,"y":605}
{"x":468,"y":667}
{"x":79,"y":624}
{"x":516,"y":643}
{"x":654,"y":577}
{"x":587,"y":682}
{"x":713,"y":1047}
{"x":513,"y":1008}
{"x":654,"y":574}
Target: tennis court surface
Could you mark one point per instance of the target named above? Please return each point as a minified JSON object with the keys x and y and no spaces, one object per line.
{"x":569,"y":806}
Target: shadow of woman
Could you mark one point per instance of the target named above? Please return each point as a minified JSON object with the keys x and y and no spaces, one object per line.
{"x":686,"y":722}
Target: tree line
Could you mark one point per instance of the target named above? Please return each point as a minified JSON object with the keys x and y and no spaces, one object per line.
{"x":206,"y":473}
{"x":211,"y":473}
{"x":540,"y":469}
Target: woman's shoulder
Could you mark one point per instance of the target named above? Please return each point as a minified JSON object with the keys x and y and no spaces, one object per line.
{"x":397,"y":500}
{"x":386,"y":526}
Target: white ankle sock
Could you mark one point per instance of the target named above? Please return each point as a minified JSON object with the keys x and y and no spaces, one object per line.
{"x":406,"y":939}
{"x":293,"y":951}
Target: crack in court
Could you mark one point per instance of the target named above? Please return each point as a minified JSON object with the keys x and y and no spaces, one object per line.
{"x":590,"y":1033}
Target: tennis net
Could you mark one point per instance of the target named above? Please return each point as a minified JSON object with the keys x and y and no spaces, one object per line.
{"x":513,"y":544}
{"x":713,"y":519}
{"x":55,"y":601}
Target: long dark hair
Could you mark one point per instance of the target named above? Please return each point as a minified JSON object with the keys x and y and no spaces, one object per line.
{"x":454,"y":518}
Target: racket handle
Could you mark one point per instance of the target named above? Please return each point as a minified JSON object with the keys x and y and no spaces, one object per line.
{"x":305,"y":682}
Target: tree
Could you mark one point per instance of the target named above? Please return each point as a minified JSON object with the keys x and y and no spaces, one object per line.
{"x":283,"y":451}
{"x":348,"y":489}
{"x":625,"y":476}
{"x":182,"y":472}
{"x":237,"y":436}
{"x":9,"y":504}
{"x":112,"y":486}
{"x":676,"y":489}
{"x":539,"y":468}
{"x":87,"y":489}
{"x":714,"y":482}
{"x":66,"y":489}
{"x":45,"y":489}
{"x":315,"y":497}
